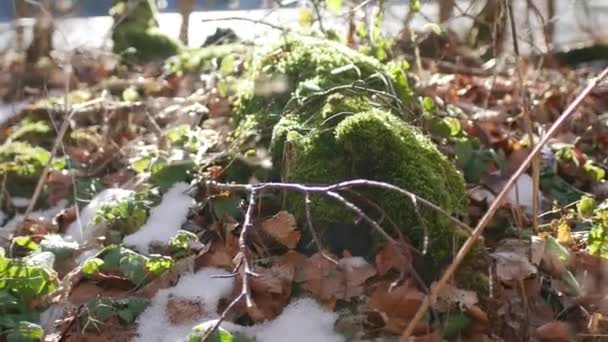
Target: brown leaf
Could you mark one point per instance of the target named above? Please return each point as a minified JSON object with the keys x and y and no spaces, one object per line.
{"x":328,"y":282}
{"x":402,"y":302}
{"x":513,"y":266}
{"x":555,"y":331}
{"x":451,"y":296}
{"x":393,"y":257}
{"x":282,"y":228}
{"x":272,"y":289}
{"x":183,"y":310}
{"x":87,"y":290}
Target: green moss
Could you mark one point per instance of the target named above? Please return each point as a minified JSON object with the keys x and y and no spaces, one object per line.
{"x":21,"y":164}
{"x":302,"y":72}
{"x":374,"y":145}
{"x":137,"y":27}
{"x":324,"y":130}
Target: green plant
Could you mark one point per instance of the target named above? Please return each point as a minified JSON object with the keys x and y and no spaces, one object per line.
{"x":100,"y":310}
{"x":24,"y":282}
{"x":125,"y":216}
{"x":135,"y":267}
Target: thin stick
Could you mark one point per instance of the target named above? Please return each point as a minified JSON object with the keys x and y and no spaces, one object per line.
{"x":313,"y":232}
{"x":485,"y":220}
{"x":527,"y":119}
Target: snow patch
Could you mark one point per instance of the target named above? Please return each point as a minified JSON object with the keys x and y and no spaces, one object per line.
{"x":522,"y":192}
{"x":353,"y":262}
{"x":9,"y":228}
{"x":153,"y":323}
{"x":82,"y":231}
{"x":302,"y":320}
{"x":165,"y":219}
{"x":20,"y":202}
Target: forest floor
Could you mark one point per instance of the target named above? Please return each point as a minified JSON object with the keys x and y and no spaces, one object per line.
{"x":120,"y":220}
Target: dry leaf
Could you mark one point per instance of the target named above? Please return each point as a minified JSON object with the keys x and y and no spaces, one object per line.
{"x":393,"y":257}
{"x":513,"y":266}
{"x":451,"y":295}
{"x":183,"y":310}
{"x":282,"y":228}
{"x":329,"y":283}
{"x":400,"y":303}
{"x":555,"y":331}
{"x":272,"y":289}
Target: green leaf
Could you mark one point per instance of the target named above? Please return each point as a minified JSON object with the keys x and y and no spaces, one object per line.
{"x":25,"y":332}
{"x":179,"y":245}
{"x":334,"y":6}
{"x":130,"y":95}
{"x":26,"y":242}
{"x":133,"y":266}
{"x":92,"y":266}
{"x":142,"y":164}
{"x":428,"y":104}
{"x":227,"y":65}
{"x":415,"y":6}
{"x":222,"y":87}
{"x":165,"y":175}
{"x":455,"y":324}
{"x":596,"y":172}
{"x":157,"y":264}
{"x":454,"y":125}
{"x":586,"y":206}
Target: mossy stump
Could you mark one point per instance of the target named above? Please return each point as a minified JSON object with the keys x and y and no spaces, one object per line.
{"x":342,"y":116}
{"x":136,"y":27}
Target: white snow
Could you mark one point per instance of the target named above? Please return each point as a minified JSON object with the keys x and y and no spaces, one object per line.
{"x":9,"y":228}
{"x":20,"y":202}
{"x":302,"y":320}
{"x":353,"y":262}
{"x":165,"y":219}
{"x":153,"y":324}
{"x":82,"y":230}
{"x":521,"y":193}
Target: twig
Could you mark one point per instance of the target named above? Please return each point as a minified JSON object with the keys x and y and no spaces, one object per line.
{"x":58,"y":141}
{"x":527,"y":119}
{"x":243,"y":263}
{"x":313,"y":232}
{"x":251,"y":20}
{"x":485,"y":220}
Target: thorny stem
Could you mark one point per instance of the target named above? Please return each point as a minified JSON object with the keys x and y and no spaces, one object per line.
{"x":485,"y":220}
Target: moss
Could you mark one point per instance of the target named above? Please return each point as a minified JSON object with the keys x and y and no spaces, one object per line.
{"x":137,"y":27}
{"x":21,"y":164}
{"x":374,"y":145}
{"x":296,"y":73}
{"x":325,"y":131}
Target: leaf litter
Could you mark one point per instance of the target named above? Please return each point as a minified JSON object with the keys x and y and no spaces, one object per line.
{"x":151,"y":137}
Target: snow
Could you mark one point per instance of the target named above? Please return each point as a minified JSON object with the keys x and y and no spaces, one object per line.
{"x":81,"y":230}
{"x":153,"y":323}
{"x":353,"y":262}
{"x":9,"y":228}
{"x":521,"y":193}
{"x":302,"y":320}
{"x":165,"y":219}
{"x":20,"y":202}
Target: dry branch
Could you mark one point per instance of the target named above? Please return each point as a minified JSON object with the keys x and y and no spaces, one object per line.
{"x":485,"y":220}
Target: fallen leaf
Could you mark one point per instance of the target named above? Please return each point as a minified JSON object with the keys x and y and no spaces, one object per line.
{"x":451,"y":295}
{"x":400,"y":303}
{"x":282,"y":228}
{"x":271,"y":290}
{"x":555,"y":331}
{"x":513,"y":266}
{"x":329,"y":283}
{"x":393,"y":256}
{"x":183,"y":310}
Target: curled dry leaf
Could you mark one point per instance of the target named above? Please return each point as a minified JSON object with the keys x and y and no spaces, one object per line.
{"x":329,"y":283}
{"x":393,"y":256}
{"x":451,"y":295}
{"x":271,"y":290}
{"x":555,"y":331}
{"x":282,"y":228}
{"x":397,"y":306}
